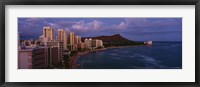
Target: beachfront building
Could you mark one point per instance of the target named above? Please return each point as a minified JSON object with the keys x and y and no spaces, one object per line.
{"x":62,"y":37}
{"x":72,"y":41}
{"x":88,"y":43}
{"x":77,"y":39}
{"x":81,"y":45}
{"x":149,"y":43}
{"x":93,"y":44}
{"x":32,"y":58}
{"x":96,"y":43}
{"x":99,"y":43}
{"x":48,"y":32}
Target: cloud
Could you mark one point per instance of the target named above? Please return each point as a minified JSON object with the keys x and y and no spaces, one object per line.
{"x":94,"y":25}
{"x":122,"y":25}
{"x":81,"y":26}
{"x":53,"y":25}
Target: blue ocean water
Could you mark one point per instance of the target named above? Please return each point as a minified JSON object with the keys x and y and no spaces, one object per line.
{"x":162,"y":55}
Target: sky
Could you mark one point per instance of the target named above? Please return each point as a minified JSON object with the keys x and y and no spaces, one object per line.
{"x":136,"y":29}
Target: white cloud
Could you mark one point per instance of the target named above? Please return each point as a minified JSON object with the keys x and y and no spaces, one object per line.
{"x":122,"y":25}
{"x":97,"y":24}
{"x":94,"y":25}
{"x":53,"y":25}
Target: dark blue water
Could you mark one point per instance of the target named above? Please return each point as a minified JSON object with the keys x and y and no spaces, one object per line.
{"x":162,"y":55}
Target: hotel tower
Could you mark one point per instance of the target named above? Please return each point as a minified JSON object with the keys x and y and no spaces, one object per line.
{"x":48,"y":32}
{"x":62,"y":37}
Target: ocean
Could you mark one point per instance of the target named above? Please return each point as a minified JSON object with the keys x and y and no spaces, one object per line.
{"x":162,"y":55}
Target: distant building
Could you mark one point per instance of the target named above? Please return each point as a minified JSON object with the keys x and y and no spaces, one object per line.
{"x":72,"y":38}
{"x":48,"y":32}
{"x":97,"y":43}
{"x":149,"y":43}
{"x":72,"y":41}
{"x":88,"y":43}
{"x":44,"y":41}
{"x":62,"y":37}
{"x":81,"y":45}
{"x":94,"y":43}
{"x":77,"y":39}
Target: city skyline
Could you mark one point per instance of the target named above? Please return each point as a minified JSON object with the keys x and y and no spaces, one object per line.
{"x":99,"y":43}
{"x":136,"y":29}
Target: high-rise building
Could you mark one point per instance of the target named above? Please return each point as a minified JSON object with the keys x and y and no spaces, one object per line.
{"x":77,"y":39}
{"x":32,"y":58}
{"x":97,"y":43}
{"x":59,"y":51}
{"x":62,"y":37}
{"x":88,"y":43}
{"x":72,"y":38}
{"x":72,"y":41}
{"x":48,"y":32}
{"x":53,"y":56}
{"x":81,"y":45}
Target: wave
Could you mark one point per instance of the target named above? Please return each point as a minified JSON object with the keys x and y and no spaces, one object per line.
{"x":114,"y":54}
{"x":125,"y":51}
{"x":150,"y":62}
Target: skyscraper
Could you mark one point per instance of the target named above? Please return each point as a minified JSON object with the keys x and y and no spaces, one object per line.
{"x":48,"y":32}
{"x":77,"y":39}
{"x":72,"y":40}
{"x":88,"y":43}
{"x":62,"y":37}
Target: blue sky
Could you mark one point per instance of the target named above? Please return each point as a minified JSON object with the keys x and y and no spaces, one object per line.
{"x":136,"y":29}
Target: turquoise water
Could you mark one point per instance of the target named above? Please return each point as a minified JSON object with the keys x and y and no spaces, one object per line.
{"x":162,"y":55}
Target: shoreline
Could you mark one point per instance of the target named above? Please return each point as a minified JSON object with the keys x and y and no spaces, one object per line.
{"x":75,"y":57}
{"x":116,"y":47}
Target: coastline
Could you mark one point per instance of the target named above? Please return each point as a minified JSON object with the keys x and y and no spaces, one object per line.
{"x":75,"y":57}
